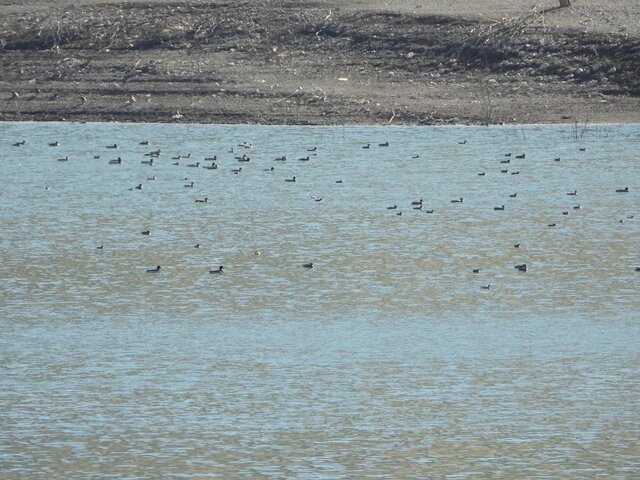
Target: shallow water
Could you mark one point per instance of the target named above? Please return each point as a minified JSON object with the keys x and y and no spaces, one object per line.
{"x":386,"y":360}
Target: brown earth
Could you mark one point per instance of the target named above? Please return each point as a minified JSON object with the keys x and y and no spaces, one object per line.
{"x":323,"y":62}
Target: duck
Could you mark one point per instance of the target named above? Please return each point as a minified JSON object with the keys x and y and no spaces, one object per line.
{"x":146,"y":232}
{"x":368,"y":145}
{"x":623,"y":190}
{"x":338,"y":181}
{"x":399,"y":214}
{"x":292,"y":179}
{"x":551,"y":225}
{"x":505,"y":170}
{"x":429,"y":211}
{"x":54,"y":144}
{"x":392,"y":207}
{"x":385,"y":144}
{"x":522,"y":267}
{"x":486,"y":287}
{"x":507,"y":154}
{"x":116,"y":161}
{"x":189,"y":185}
{"x":245,"y":145}
{"x":575,"y":192}
{"x":153,"y":153}
{"x":308,"y":265}
{"x":144,"y":142}
{"x":236,"y":171}
{"x":115,"y":145}
{"x":154,"y":270}
{"x":475,"y":270}
{"x":312,"y":149}
{"x":419,"y":207}
{"x":100,"y":247}
{"x":513,"y":195}
{"x":316,"y":199}
{"x":218,"y":271}
{"x":244,"y":158}
{"x":304,"y":159}
{"x":557,"y":159}
{"x":417,"y":202}
{"x":211,"y":159}
{"x":147,"y":162}
{"x":194,"y":165}
{"x":281,"y":159}
{"x":458,"y":200}
{"x":522,"y":155}
{"x":577,"y":207}
{"x":65,"y":159}
{"x":203,"y":200}
{"x":637,"y":269}
{"x":197,"y":245}
{"x":139,"y":186}
{"x":481,"y":174}
{"x":213,"y":166}
{"x":517,"y":172}
{"x":499,"y":208}
{"x":20,"y":144}
{"x":505,"y":161}
{"x":152,"y":178}
{"x":565,"y":213}
{"x":517,"y":245}
{"x":464,"y":142}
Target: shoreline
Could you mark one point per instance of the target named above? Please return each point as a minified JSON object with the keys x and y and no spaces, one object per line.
{"x":292,"y":63}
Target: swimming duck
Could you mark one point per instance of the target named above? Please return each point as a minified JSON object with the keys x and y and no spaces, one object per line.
{"x":399,"y":214}
{"x":152,"y":178}
{"x":100,"y":247}
{"x":204,"y":200}
{"x":459,"y":200}
{"x":368,"y":145}
{"x":505,"y":161}
{"x":211,"y":159}
{"x":623,"y":190}
{"x":481,"y":174}
{"x":507,"y":154}
{"x":517,"y":172}
{"x":476,"y":270}
{"x":385,"y":144}
{"x":154,"y":270}
{"x":522,"y":267}
{"x":419,"y":202}
{"x":146,"y":232}
{"x":197,"y":245}
{"x":338,"y":181}
{"x":144,"y":142}
{"x":116,"y":161}
{"x":575,"y":192}
{"x":189,"y":185}
{"x":557,"y":159}
{"x":304,"y":159}
{"x":565,"y":213}
{"x":464,"y":142}
{"x":236,"y":170}
{"x":392,"y":207}
{"x":513,"y":195}
{"x":281,"y":159}
{"x":521,"y":156}
{"x":19,"y":144}
{"x":312,"y":149}
{"x":54,"y":144}
{"x":139,"y":186}
{"x":517,"y":245}
{"x":504,"y":170}
{"x":115,"y":145}
{"x":577,"y":207}
{"x":65,"y":159}
{"x":499,"y":208}
{"x":194,"y":165}
{"x":551,"y":225}
{"x":292,"y":179}
{"x":217,"y":271}
{"x":486,"y":287}
{"x":308,"y":265}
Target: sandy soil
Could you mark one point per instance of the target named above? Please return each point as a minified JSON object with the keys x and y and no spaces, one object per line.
{"x":322,"y":62}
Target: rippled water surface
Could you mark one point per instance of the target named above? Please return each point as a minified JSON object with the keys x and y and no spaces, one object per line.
{"x":387,"y":360}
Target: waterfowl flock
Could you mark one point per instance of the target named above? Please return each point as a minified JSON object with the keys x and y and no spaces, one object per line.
{"x":426,"y":204}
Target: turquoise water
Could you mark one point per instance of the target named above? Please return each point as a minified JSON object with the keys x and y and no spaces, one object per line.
{"x":387,"y":360}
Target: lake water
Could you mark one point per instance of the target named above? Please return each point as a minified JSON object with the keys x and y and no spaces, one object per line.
{"x":387,"y":360}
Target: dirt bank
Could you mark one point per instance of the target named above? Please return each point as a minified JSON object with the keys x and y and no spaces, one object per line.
{"x":293,"y":62}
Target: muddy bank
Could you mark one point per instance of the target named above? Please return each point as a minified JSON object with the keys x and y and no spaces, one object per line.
{"x":287,"y":63}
